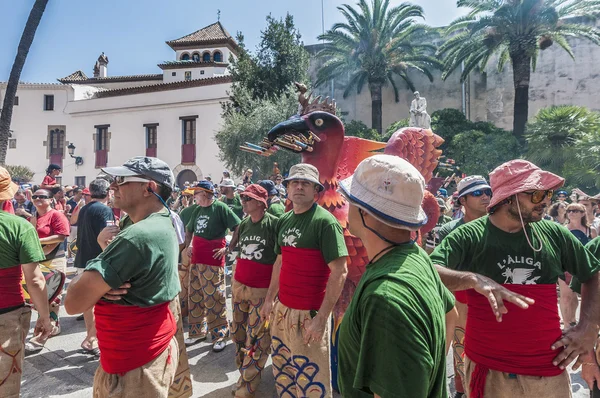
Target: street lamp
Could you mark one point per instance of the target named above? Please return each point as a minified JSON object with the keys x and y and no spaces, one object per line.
{"x":78,"y":159}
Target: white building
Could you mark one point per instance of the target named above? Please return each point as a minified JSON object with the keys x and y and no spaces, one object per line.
{"x":172,"y":115}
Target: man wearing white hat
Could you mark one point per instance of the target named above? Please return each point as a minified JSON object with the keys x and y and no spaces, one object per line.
{"x":393,"y":338}
{"x":473,"y":194}
{"x":230,"y":197}
{"x":308,"y":277}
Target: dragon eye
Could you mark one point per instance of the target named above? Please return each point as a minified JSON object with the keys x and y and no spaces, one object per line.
{"x":319,"y":122}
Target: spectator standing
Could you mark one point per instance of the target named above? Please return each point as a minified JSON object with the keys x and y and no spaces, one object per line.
{"x":23,"y":207}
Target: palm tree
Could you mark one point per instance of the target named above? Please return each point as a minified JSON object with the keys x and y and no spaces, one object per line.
{"x":373,"y":45}
{"x":515,"y":30}
{"x":13,"y":81}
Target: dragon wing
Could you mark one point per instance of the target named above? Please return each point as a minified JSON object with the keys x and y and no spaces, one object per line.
{"x":354,"y":151}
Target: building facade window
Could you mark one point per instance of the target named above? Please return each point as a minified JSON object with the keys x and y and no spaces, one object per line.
{"x":196,"y":57}
{"x":173,"y":73}
{"x":185,"y":57}
{"x":201,"y":72}
{"x":188,"y":75}
{"x":188,"y":139}
{"x":12,"y":143}
{"x":56,"y":143}
{"x":80,"y":181}
{"x":151,"y":139}
{"x":218,"y":57}
{"x":206,"y":57}
{"x":48,"y":102}
{"x":16,"y":101}
{"x":101,"y":145}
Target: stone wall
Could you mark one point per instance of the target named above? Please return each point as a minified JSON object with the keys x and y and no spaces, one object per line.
{"x":558,"y":80}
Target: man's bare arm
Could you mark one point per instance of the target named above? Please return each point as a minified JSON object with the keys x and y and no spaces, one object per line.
{"x":273,"y":289}
{"x":84,"y":292}
{"x":451,"y":319}
{"x":36,"y":287}
{"x":335,"y":284}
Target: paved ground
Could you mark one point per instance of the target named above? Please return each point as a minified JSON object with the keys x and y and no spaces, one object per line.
{"x":61,"y":370}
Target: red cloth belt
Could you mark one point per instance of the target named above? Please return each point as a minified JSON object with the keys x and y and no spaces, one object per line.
{"x":203,"y":251}
{"x":303,"y":278}
{"x":130,"y":336}
{"x":520,"y":344}
{"x":11,"y":293}
{"x":253,"y":274}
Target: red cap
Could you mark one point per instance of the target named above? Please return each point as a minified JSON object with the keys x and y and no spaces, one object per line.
{"x":86,"y":191}
{"x":256,"y":192}
{"x":517,"y":176}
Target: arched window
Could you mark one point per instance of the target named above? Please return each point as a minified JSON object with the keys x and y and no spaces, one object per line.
{"x":185,"y":57}
{"x":196,"y":57}
{"x":206,"y":57}
{"x":218,"y":57}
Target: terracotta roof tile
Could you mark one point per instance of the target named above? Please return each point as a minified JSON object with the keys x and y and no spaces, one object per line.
{"x":75,"y":76}
{"x":164,"y":86}
{"x":80,"y":78}
{"x":211,"y":34}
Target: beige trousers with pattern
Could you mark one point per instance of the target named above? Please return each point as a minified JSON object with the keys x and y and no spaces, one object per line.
{"x":300,"y":370}
{"x":181,"y":387}
{"x":206,"y":302}
{"x":247,"y":303}
{"x":14,"y":326}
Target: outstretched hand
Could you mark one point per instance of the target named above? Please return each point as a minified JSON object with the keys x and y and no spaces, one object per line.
{"x":497,"y":294}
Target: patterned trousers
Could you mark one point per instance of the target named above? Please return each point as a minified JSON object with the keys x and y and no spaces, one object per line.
{"x":247,"y":302}
{"x":184,"y":281}
{"x":206,"y":302}
{"x":14,"y":326}
{"x":458,"y":347}
{"x":182,"y":382}
{"x":301,"y":371}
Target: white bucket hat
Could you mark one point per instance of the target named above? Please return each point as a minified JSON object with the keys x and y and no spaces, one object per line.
{"x":227,"y":183}
{"x":471,"y":184}
{"x":390,"y":189}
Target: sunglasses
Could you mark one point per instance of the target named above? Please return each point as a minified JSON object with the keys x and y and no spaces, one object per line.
{"x":480,"y":192}
{"x":40,"y":197}
{"x":120,"y":180}
{"x":575,"y":211}
{"x":245,"y":198}
{"x":539,"y":196}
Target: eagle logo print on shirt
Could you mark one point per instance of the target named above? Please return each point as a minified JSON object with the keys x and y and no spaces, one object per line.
{"x":519,"y":275}
{"x":291,"y":236}
{"x":251,"y":252}
{"x":201,"y":224}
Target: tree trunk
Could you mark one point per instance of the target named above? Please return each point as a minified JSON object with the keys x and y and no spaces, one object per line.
{"x":15,"y":74}
{"x":521,"y":76}
{"x":376,"y":114}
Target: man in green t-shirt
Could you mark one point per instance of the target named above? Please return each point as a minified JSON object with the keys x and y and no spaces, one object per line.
{"x":205,"y":239}
{"x":20,"y":254}
{"x":308,"y":277}
{"x":514,"y":255}
{"x":136,"y":334}
{"x":276,"y":206}
{"x":393,"y":338}
{"x":256,"y":240}
{"x":473,"y":194}
{"x":230,"y":198}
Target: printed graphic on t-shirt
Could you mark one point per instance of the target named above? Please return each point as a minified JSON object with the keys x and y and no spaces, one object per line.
{"x":291,"y":236}
{"x":252,"y":248}
{"x":516,"y":274}
{"x":201,"y":224}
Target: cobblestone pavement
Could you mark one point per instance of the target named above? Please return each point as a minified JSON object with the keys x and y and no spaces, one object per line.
{"x":62,"y":370}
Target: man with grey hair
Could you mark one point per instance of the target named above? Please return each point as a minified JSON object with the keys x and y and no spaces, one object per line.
{"x":93,"y":218}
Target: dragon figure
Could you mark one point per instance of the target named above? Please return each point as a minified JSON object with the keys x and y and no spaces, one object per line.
{"x":318,"y":134}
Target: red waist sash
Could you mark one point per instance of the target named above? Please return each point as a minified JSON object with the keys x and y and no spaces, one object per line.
{"x":131,"y":336}
{"x":303,"y":278}
{"x":520,"y":344}
{"x":253,"y":274}
{"x":11,"y":293}
{"x":461,"y":296}
{"x":203,"y":251}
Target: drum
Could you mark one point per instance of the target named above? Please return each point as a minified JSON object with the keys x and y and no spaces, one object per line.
{"x":55,"y":281}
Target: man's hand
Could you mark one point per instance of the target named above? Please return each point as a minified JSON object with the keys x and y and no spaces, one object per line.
{"x":107,"y":235}
{"x":43,"y":328}
{"x":20,"y":212}
{"x":497,"y":294}
{"x":116,"y":294}
{"x":577,"y":341}
{"x":314,"y":329}
{"x":265,"y":310}
{"x":590,"y":372}
{"x":219,"y":253}
{"x":190,"y":250}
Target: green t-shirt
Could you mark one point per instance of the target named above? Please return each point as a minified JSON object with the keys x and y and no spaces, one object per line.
{"x":593,"y":247}
{"x":277,"y":209}
{"x":393,"y":335}
{"x":19,"y":242}
{"x":507,"y":258}
{"x":449,"y":227}
{"x":213,"y":221}
{"x":186,"y":214}
{"x":257,"y":240}
{"x":145,"y":255}
{"x":314,"y":229}
{"x":234,"y":204}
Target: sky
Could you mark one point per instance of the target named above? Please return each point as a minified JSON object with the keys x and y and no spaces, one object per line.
{"x":132,"y":33}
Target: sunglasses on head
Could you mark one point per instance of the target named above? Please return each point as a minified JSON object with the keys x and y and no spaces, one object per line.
{"x":480,"y":192}
{"x":539,"y":196}
{"x":40,"y":197}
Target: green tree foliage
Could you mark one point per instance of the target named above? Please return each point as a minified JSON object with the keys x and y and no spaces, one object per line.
{"x":356,"y":128}
{"x":20,"y":174}
{"x":253,"y":126}
{"x":515,"y":30}
{"x":280,"y":59}
{"x":395,"y":127}
{"x":375,"y":44}
{"x":584,"y":170}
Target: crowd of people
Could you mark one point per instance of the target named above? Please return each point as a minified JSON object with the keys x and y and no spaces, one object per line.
{"x":152,"y":261}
